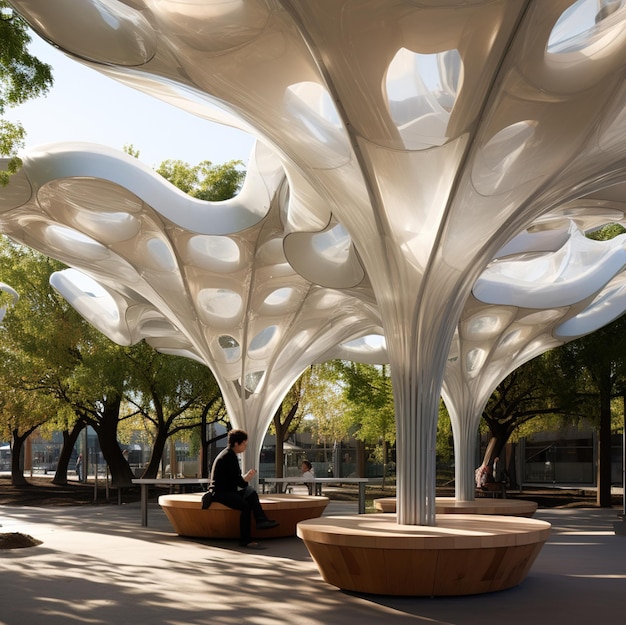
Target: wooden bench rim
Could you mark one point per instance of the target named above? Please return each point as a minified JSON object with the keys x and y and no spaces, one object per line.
{"x":447,"y":505}
{"x":273,"y":502}
{"x":453,"y":531}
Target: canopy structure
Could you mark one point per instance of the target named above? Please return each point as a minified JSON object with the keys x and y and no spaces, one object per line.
{"x":12,"y":295}
{"x":424,"y":171}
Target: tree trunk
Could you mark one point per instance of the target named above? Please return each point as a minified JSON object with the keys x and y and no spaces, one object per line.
{"x":278,"y":460}
{"x":604,"y":449}
{"x":204,"y":447}
{"x":157,"y":453}
{"x":281,"y":433}
{"x":360,"y":458}
{"x":209,"y":449}
{"x":385,"y":463}
{"x":69,"y":440}
{"x":106,"y":429}
{"x":17,"y":473}
{"x":212,"y":445}
{"x":510,"y":465}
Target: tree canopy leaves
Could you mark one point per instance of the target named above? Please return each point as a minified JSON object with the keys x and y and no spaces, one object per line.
{"x":22,"y":77}
{"x":204,"y":181}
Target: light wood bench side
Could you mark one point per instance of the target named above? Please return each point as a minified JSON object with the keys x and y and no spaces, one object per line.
{"x":461,"y":555}
{"x":184,"y":511}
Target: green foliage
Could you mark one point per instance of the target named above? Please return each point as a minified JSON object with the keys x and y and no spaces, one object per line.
{"x":204,"y":181}
{"x":597,"y":373}
{"x":369,"y":395}
{"x":22,"y":77}
{"x":607,"y":232}
{"x":170,"y":392}
{"x":131,"y":150}
{"x":525,"y":394}
{"x":324,"y":405}
{"x":590,"y":365}
{"x":37,"y":340}
{"x":11,"y":140}
{"x":290,"y":413}
{"x":445,"y":443}
{"x":364,"y":398}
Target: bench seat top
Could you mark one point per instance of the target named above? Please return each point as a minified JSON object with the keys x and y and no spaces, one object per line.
{"x":271,"y":502}
{"x":452,"y":531}
{"x":449,"y":505}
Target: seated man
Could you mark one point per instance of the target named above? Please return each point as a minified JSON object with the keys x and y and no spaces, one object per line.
{"x":231,"y":488}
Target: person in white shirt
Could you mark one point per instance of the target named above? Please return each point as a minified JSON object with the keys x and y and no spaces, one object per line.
{"x":308,"y":474}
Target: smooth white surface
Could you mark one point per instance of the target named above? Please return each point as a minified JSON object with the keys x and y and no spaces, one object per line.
{"x":14,"y":296}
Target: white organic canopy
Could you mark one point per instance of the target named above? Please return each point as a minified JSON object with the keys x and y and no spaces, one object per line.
{"x":424,"y":171}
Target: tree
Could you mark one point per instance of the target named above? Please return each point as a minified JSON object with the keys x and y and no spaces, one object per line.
{"x":95,"y":392}
{"x":61,"y":357}
{"x":573,"y":382}
{"x":217,"y":412}
{"x":595,"y":368}
{"x":70,"y":436}
{"x":370,"y":413}
{"x":324,"y":405}
{"x":22,"y":77}
{"x":204,"y":181}
{"x":526,"y":393}
{"x":172,"y":393}
{"x":445,"y":441}
{"x":288,"y":416}
{"x":22,"y":411}
{"x":38,"y":344}
{"x":370,"y":396}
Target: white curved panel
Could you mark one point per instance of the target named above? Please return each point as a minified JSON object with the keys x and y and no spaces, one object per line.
{"x":102,"y":30}
{"x":14,"y":295}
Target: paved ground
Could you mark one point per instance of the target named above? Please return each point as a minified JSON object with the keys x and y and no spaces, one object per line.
{"x":97,"y":565}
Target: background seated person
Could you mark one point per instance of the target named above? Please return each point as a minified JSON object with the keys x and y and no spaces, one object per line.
{"x":308,"y":474}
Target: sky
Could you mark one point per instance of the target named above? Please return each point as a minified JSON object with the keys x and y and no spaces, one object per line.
{"x":84,"y":105}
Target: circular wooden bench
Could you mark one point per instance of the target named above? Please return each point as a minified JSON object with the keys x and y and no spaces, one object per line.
{"x":449,"y":505}
{"x":187,"y":517}
{"x":462,"y":555}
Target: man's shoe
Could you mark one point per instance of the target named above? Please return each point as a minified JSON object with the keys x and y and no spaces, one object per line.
{"x":207,"y":498}
{"x":266,"y":524}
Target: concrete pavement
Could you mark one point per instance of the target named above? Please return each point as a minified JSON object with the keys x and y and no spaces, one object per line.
{"x":98,"y":565}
